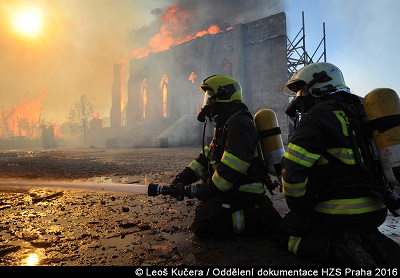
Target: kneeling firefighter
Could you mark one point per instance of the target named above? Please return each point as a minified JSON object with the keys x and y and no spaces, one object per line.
{"x":331,"y":181}
{"x":232,"y":194}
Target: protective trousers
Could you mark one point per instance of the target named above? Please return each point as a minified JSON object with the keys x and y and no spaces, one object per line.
{"x":311,"y":235}
{"x":228,"y":214}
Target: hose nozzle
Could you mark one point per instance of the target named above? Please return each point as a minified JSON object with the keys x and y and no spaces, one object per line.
{"x":179,"y":192}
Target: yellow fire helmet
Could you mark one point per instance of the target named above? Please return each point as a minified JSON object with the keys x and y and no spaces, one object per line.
{"x":221,"y":88}
{"x":318,"y":79}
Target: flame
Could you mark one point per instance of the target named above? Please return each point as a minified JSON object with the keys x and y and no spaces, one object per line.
{"x":175,"y":29}
{"x":213,"y":29}
{"x":25,"y":119}
{"x":144,"y":97}
{"x":122,"y":62}
{"x":192,"y":76}
{"x":96,"y":121}
{"x":164,"y":92}
{"x":96,"y":116}
{"x":139,"y":53}
{"x":57,"y":130}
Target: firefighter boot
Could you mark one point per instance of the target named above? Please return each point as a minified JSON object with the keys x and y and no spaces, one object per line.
{"x":385,"y":250}
{"x":347,"y":250}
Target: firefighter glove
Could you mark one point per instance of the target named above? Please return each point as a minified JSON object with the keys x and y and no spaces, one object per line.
{"x":176,"y":182}
{"x":206,"y":191}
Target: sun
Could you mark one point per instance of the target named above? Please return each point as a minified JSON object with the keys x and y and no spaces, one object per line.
{"x":28,"y":22}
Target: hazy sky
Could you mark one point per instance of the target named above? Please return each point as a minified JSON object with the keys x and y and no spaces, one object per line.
{"x":362,"y":38}
{"x":80,"y":40}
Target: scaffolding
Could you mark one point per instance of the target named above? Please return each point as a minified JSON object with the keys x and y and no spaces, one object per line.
{"x":297,"y":55}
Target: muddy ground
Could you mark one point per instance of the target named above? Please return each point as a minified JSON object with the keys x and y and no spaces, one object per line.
{"x":54,"y":226}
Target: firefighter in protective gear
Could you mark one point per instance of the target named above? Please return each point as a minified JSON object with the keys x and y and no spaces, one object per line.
{"x":232,"y":197}
{"x":334,"y":217}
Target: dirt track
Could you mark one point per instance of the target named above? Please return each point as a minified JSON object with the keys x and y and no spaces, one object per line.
{"x":76,"y":227}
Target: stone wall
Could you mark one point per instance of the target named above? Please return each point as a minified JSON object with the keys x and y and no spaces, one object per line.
{"x":254,"y":53}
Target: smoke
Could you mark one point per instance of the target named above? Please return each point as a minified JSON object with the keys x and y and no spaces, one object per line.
{"x":82,"y":40}
{"x":185,"y":18}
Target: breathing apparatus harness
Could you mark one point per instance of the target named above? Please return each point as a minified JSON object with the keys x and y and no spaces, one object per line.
{"x":360,"y":132}
{"x":261,"y":167}
{"x":361,"y":138}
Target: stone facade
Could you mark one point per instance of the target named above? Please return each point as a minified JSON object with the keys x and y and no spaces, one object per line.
{"x":165,"y":84}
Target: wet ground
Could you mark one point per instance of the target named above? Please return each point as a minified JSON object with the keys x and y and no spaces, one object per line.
{"x":41,"y":225}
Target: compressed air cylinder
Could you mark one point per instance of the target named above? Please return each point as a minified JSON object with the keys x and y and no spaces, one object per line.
{"x":271,"y":140}
{"x":379,"y":103}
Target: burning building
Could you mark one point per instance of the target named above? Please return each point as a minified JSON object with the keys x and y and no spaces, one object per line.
{"x":163,"y":96}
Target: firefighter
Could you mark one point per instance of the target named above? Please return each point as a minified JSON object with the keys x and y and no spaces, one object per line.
{"x":334,"y":216}
{"x":232,"y":196}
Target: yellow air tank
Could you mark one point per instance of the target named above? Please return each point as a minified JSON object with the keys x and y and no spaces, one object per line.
{"x":271,"y":140}
{"x":379,"y":103}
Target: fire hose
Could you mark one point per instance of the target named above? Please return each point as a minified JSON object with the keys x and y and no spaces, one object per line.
{"x":179,"y":192}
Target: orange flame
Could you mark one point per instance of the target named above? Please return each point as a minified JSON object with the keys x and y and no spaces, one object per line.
{"x":57,"y":131}
{"x":164,"y":92}
{"x":173,"y":31}
{"x":144,"y":96}
{"x":213,"y":29}
{"x":192,"y":76}
{"x":96,"y":121}
{"x":122,"y":62}
{"x":96,"y":116}
{"x":26,"y":120}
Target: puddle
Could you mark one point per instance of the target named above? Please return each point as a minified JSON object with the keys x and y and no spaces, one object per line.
{"x":124,"y":179}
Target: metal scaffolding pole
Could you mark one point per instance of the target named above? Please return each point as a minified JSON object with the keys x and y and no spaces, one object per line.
{"x":297,"y":55}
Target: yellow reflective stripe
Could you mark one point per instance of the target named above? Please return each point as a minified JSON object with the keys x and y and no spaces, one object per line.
{"x":345,"y":155}
{"x":294,"y":189}
{"x":206,"y":151}
{"x":255,"y":187}
{"x":197,"y":168}
{"x":221,"y":183}
{"x":234,"y":162}
{"x":349,"y":206}
{"x":300,"y":155}
{"x":238,"y":222}
{"x":293,"y":244}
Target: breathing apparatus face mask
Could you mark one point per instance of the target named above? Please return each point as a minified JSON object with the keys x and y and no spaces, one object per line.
{"x":207,"y":111}
{"x":306,"y":96}
{"x":301,"y":103}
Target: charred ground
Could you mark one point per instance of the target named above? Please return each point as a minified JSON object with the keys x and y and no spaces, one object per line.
{"x":74,"y":227}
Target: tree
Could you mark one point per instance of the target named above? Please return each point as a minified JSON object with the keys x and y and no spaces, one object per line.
{"x":79,"y":116}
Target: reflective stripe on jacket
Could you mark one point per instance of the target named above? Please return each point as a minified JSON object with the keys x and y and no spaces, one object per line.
{"x":349,"y":206}
{"x":311,"y":180}
{"x":230,"y":156}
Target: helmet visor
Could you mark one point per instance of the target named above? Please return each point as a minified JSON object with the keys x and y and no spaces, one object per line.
{"x":288,"y":92}
{"x":292,"y":88}
{"x":209,"y":96}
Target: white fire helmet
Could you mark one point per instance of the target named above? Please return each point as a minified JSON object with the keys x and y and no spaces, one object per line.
{"x":318,"y":79}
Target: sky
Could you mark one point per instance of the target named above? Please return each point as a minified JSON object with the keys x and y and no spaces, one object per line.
{"x":79,"y":41}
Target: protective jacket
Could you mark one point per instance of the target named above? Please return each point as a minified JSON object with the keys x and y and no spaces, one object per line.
{"x":233,"y":199}
{"x":325,"y":188}
{"x":230,"y":162}
{"x":310,"y":179}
